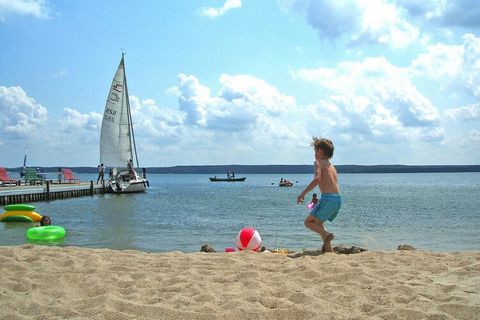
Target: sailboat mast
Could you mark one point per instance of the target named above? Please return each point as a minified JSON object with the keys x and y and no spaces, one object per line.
{"x":25,"y":159}
{"x":22,"y":173}
{"x":130,"y":122}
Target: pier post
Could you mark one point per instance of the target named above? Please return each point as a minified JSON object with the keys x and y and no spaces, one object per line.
{"x":48,"y":190}
{"x":91,"y":187}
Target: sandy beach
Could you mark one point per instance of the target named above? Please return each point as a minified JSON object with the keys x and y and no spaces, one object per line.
{"x":39,"y":282}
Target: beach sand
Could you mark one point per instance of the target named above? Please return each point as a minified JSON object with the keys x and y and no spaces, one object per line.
{"x":40,"y":282}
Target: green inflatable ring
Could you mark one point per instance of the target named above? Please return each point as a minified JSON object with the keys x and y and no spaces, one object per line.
{"x":46,"y":233}
{"x":19,"y":207}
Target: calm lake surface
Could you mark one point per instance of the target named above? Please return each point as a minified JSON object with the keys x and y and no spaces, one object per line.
{"x":432,"y":211}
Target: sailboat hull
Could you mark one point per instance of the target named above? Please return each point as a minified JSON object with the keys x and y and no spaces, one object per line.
{"x":126,"y":183}
{"x":131,"y":187}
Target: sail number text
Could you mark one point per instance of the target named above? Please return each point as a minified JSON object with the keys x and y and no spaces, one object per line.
{"x":109,"y":115}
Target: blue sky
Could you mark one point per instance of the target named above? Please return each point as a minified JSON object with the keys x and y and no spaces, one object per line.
{"x":243,"y":82}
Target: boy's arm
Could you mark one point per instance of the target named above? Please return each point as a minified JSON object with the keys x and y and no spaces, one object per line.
{"x":315,"y":182}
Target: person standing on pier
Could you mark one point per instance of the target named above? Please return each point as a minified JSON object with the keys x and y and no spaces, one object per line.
{"x":101,"y":173}
{"x":130,"y":166}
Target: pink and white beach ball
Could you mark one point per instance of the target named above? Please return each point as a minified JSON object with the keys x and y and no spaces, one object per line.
{"x":248,"y":239}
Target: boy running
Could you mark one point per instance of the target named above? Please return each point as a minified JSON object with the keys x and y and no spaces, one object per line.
{"x":325,"y":177}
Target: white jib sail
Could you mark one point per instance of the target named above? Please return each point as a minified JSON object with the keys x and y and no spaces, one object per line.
{"x":115,"y":141}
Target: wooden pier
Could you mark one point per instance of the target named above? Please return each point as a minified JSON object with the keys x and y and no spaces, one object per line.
{"x":48,"y":192}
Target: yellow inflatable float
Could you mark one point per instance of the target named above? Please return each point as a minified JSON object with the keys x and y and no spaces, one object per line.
{"x":20,"y":213}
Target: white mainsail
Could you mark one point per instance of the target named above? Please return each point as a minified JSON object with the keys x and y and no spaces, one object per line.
{"x":117,"y":140}
{"x":115,"y":137}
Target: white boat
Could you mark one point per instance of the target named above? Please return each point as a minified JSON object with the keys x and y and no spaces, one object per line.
{"x":117,"y":138}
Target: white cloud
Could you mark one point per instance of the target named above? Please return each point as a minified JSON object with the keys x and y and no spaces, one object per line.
{"x":427,"y":134}
{"x":193,"y":99}
{"x":367,"y":105}
{"x":216,"y":12}
{"x":465,"y":113}
{"x":76,"y":122}
{"x":255,"y":92}
{"x":150,"y":121}
{"x":247,"y":116}
{"x":471,"y":66}
{"x":36,"y":8}
{"x":475,"y":136}
{"x":439,"y":61}
{"x":20,"y":116}
{"x":381,"y":22}
{"x":153,"y":124}
{"x":240,"y":113}
{"x":453,"y":65}
{"x":358,"y":22}
{"x":374,"y":100}
{"x":461,"y":13}
{"x":242,"y":102}
{"x":427,"y":9}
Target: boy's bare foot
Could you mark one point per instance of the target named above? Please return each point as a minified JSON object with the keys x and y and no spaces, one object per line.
{"x":323,"y":247}
{"x":327,"y":244}
{"x":327,"y":247}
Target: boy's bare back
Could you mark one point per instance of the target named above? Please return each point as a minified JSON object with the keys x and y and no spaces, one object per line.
{"x":326,"y":176}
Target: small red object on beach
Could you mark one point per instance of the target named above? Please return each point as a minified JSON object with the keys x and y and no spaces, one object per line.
{"x":229,"y":249}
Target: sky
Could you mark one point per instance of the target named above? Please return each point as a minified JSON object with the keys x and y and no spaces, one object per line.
{"x":243,"y":82}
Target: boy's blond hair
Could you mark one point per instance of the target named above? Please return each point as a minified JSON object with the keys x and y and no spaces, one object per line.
{"x":324,"y":144}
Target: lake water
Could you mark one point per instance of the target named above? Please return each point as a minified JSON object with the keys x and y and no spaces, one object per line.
{"x":432,"y":211}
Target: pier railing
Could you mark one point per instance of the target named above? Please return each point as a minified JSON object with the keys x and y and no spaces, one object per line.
{"x":49,"y":192}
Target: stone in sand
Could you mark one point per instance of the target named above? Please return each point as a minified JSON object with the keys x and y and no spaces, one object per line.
{"x":407,"y":247}
{"x":206,"y":248}
{"x":344,"y":249}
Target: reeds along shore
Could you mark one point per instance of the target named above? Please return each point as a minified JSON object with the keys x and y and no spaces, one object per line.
{"x":39,"y":282}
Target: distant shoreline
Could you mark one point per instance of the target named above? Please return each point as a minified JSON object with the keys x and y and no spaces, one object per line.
{"x":284,"y":169}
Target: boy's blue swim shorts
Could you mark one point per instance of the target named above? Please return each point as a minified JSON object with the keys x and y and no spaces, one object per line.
{"x":327,"y":207}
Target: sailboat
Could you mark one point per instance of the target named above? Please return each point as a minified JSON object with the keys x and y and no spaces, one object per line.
{"x":22,"y":172}
{"x":117,"y":138}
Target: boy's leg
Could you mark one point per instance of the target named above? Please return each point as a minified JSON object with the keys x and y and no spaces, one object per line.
{"x":316,"y":225}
